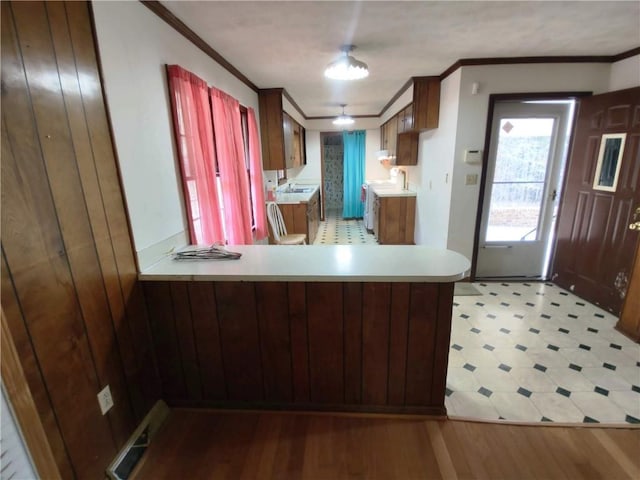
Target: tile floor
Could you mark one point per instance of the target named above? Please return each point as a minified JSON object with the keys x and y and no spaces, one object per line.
{"x":529,"y":352}
{"x":535,"y":352}
{"x":337,"y":231}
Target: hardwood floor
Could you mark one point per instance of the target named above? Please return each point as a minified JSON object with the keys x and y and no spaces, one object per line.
{"x":248,"y":445}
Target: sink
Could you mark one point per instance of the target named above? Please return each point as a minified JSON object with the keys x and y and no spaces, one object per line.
{"x":302,"y":190}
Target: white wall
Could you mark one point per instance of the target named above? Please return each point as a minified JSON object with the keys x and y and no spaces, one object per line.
{"x":472,"y":120}
{"x":431,"y":178}
{"x":134,"y":46}
{"x":625,"y":74}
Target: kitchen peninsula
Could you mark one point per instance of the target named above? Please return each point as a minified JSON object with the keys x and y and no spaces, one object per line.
{"x":326,"y":327}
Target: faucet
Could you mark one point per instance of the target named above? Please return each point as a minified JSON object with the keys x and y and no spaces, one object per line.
{"x":405,"y":178}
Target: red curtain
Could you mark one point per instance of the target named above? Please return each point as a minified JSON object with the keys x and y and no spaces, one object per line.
{"x":232,"y":167}
{"x":194,"y":134}
{"x":257,"y":185}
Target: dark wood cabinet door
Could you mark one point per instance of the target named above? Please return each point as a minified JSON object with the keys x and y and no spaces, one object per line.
{"x":396,"y":220}
{"x":271,"y":128}
{"x":407,"y":148}
{"x":426,"y":102}
{"x":595,"y":247}
{"x":289,"y":148}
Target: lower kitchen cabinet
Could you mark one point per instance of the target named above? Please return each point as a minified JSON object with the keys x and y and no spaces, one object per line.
{"x":303,"y":217}
{"x":394,"y":222}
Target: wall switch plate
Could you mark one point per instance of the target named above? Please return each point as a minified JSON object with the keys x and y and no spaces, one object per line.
{"x":471,"y":179}
{"x":105,"y":400}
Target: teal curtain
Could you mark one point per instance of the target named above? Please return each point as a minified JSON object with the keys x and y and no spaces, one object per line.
{"x":353,"y":143}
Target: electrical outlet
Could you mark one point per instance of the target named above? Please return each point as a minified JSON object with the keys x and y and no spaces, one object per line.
{"x":105,"y":400}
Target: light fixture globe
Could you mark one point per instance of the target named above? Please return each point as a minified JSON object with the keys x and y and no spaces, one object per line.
{"x":343,"y":119}
{"x":346,"y":67}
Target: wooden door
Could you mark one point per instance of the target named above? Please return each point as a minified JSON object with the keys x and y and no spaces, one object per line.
{"x":629,"y":322}
{"x":595,"y":248}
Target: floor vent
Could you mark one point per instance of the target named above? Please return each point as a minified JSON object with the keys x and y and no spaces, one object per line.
{"x":129,"y":456}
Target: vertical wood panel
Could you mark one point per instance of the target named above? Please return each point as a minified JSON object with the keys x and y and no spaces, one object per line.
{"x":275,"y":341}
{"x":24,"y":407}
{"x":442,"y":341}
{"x":165,"y":339}
{"x":326,"y":353}
{"x":82,"y":146}
{"x":52,"y":120}
{"x":375,"y":342}
{"x":65,"y":239}
{"x":186,"y":344}
{"x":398,"y":336}
{"x":299,"y":341}
{"x":35,"y":251}
{"x":207,"y":338}
{"x":80,"y":28}
{"x":353,"y":342}
{"x":422,"y":329}
{"x":33,"y":375}
{"x":240,"y":342}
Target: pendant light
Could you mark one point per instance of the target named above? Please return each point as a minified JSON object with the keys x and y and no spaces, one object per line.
{"x":346,"y":67}
{"x":343,"y":119}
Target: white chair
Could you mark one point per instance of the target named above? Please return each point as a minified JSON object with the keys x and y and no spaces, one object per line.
{"x":279,"y":229}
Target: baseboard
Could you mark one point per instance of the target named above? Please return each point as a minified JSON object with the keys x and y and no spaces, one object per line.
{"x":138,"y":442}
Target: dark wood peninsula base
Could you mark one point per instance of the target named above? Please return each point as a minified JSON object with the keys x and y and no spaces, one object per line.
{"x":339,"y":346}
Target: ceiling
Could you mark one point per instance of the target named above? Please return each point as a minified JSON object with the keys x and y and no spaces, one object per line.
{"x":288,"y":44}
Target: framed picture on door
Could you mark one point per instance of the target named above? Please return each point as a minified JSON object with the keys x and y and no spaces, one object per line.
{"x":609,"y":161}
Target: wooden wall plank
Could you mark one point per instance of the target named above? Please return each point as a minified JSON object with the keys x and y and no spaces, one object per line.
{"x":15,"y":384}
{"x":165,"y":339}
{"x":207,"y":339}
{"x":422,"y":329}
{"x":35,"y":251}
{"x":91,"y":189}
{"x":299,"y":341}
{"x":326,"y":353}
{"x":31,"y":369}
{"x":442,"y":340}
{"x":398,"y":337}
{"x":376,"y":305}
{"x":80,"y":316}
{"x":136,"y":315}
{"x":353,"y":342}
{"x":184,"y":330}
{"x":240,"y":342}
{"x":275,"y":340}
{"x":52,"y":123}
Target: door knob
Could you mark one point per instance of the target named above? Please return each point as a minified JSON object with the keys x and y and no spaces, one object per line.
{"x":636,"y":220}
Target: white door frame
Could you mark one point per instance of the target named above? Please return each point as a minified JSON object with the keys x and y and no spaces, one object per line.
{"x":520,"y":259}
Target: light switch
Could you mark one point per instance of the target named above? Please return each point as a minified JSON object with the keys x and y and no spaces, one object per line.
{"x":471,"y":179}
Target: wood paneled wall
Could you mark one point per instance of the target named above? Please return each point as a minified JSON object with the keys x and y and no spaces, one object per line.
{"x":341,"y":346}
{"x":72,"y":301}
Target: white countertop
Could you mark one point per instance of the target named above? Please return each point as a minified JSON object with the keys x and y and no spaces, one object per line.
{"x":385,"y":191}
{"x":320,"y":263}
{"x":283,"y":197}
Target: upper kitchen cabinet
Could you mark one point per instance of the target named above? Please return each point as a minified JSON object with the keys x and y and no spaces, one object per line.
{"x":426,"y":103}
{"x":283,"y":139}
{"x":399,"y":135}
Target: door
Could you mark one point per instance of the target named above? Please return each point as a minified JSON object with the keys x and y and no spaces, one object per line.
{"x":595,"y":247}
{"x":629,"y":322}
{"x":526,"y":159}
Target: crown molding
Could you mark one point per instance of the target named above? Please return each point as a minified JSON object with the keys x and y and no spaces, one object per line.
{"x":178,"y":25}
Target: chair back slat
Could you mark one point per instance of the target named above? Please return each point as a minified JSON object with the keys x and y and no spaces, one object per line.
{"x":276,"y":221}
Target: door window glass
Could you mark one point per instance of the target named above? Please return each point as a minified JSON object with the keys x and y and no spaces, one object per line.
{"x":518,"y":182}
